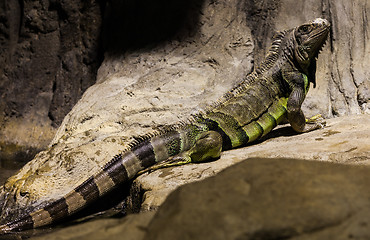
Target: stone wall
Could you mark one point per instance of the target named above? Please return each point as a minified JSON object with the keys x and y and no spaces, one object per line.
{"x":49,"y":56}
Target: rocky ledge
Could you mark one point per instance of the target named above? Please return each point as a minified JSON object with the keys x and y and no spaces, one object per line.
{"x":271,"y":191}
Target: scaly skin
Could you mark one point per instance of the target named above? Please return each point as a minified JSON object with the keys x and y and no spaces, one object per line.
{"x":273,"y":92}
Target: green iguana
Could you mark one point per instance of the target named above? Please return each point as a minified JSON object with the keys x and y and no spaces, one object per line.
{"x":274,"y":91}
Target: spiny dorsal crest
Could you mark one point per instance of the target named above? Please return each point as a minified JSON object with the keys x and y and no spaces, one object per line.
{"x":273,"y":52}
{"x":272,"y":55}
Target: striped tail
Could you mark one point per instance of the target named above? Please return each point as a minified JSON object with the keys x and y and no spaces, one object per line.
{"x":120,"y":169}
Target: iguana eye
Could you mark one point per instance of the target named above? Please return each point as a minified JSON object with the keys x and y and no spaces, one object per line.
{"x":305,"y":29}
{"x":23,"y":194}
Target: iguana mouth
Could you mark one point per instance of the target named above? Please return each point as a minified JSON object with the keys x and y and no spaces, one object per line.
{"x":321,"y":35}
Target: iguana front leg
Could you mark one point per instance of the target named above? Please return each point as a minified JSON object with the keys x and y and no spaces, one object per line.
{"x":208,"y":146}
{"x":295,"y":115}
{"x":300,"y":85}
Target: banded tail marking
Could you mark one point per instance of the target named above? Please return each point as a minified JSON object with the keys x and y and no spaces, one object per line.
{"x":168,"y":145}
{"x":145,"y":153}
{"x":50,"y":213}
{"x":74,"y":200}
{"x":131,"y":163}
{"x":41,"y":218}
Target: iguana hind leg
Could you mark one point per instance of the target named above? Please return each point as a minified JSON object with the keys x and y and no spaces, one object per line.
{"x":208,"y":146}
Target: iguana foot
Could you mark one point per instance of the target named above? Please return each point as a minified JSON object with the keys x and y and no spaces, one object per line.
{"x":314,"y":123}
{"x":317,"y":117}
{"x":177,"y":160}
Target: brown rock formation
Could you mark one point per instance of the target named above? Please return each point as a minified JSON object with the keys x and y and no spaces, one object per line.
{"x":49,"y":56}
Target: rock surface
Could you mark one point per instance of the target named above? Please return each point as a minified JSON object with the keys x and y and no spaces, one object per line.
{"x":131,"y":227}
{"x":270,"y":199}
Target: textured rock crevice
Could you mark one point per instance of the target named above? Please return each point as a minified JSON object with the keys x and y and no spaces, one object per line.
{"x":349,"y":69}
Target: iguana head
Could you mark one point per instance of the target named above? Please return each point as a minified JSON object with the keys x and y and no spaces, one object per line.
{"x":309,"y":39}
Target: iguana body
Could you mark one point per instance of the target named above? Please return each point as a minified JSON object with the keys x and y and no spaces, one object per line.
{"x":272,"y":92}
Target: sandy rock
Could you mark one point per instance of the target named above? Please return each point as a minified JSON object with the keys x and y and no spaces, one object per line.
{"x":131,"y":227}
